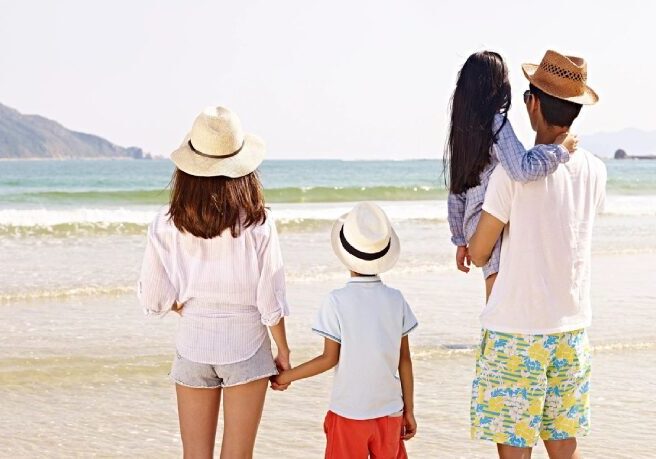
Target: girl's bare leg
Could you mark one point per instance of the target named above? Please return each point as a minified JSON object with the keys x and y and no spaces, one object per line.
{"x":242,"y":410}
{"x":489,"y":283}
{"x":511,"y":452}
{"x":198,"y":410}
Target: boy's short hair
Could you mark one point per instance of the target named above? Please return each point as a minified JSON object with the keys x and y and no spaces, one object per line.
{"x":556,"y":112}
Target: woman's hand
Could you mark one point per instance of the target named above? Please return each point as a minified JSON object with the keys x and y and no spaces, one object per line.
{"x":282,"y":363}
{"x":177,"y":307}
{"x":409,"y":425}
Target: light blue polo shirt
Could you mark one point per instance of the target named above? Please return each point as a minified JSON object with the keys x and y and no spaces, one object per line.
{"x":368,"y":319}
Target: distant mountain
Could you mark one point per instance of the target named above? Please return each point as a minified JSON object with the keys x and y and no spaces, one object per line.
{"x":33,"y":136}
{"x":634,"y":141}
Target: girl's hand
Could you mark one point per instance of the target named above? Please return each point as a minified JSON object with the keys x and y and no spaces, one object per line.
{"x":568,"y":141}
{"x":409,"y":425}
{"x":177,"y":307}
{"x":462,"y":257}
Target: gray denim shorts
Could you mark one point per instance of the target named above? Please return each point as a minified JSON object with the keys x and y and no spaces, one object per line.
{"x":207,"y":376}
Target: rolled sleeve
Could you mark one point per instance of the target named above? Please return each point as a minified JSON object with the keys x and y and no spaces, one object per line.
{"x":456,"y":216}
{"x":271,"y":289}
{"x":498,"y":197}
{"x":326,"y":323}
{"x":154,"y":289}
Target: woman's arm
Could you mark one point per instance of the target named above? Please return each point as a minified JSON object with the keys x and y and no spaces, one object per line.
{"x":317,"y":365}
{"x":408,"y":389}
{"x":280,"y":338}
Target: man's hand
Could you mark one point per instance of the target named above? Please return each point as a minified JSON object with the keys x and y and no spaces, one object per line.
{"x":409,"y":425}
{"x":569,"y":141}
{"x":463,"y":260}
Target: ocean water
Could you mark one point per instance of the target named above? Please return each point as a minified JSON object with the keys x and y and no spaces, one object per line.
{"x":82,"y":373}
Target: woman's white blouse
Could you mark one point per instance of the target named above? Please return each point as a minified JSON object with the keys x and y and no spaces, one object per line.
{"x":231,"y":288}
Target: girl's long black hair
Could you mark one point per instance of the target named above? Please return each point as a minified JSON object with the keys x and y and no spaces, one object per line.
{"x":482,"y":91}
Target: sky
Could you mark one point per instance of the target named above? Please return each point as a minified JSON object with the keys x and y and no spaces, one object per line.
{"x":340,"y":79}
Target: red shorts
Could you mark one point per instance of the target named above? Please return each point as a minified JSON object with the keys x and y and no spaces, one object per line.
{"x":357,"y":439}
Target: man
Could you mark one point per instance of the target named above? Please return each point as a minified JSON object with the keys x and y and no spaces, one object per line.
{"x":533,"y":369}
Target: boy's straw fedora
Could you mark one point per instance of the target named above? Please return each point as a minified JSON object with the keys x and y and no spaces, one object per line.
{"x":365,"y":241}
{"x":564,"y":77}
{"x":217,"y":146}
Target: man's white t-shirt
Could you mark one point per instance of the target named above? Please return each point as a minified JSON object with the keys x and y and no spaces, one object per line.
{"x":543,"y":285}
{"x":369,"y":320}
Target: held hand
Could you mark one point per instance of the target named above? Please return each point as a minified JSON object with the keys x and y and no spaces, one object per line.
{"x":569,"y":141}
{"x":282,"y":364}
{"x":463,"y":260}
{"x":409,"y":425}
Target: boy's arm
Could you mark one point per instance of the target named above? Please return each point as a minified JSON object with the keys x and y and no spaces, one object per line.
{"x":456,"y":217}
{"x":525,"y":165}
{"x":317,"y":365}
{"x":408,"y":390}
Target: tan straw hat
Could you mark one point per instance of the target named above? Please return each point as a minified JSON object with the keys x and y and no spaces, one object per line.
{"x":564,"y":77}
{"x":217,"y":146}
{"x":365,"y":241}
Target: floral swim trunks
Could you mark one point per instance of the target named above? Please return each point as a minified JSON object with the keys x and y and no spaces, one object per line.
{"x":531,"y":386}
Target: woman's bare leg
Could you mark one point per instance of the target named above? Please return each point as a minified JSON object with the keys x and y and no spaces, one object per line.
{"x":242,"y":410}
{"x":489,"y":283}
{"x":198,"y":410}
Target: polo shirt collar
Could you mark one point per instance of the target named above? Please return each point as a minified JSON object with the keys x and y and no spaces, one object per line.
{"x":364,"y":280}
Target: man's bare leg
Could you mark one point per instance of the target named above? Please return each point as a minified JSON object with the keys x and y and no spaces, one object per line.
{"x":512,"y":452}
{"x":562,"y":449}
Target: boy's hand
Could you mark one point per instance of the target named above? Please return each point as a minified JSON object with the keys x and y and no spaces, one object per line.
{"x":463,"y":260}
{"x":569,"y":141}
{"x":278,"y":383}
{"x":409,"y":425}
{"x":282,"y":364}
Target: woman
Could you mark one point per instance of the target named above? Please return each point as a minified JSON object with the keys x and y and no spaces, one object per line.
{"x":213,"y":256}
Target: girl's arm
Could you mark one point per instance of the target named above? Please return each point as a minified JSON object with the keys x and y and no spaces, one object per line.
{"x":526,"y":165}
{"x":317,"y":365}
{"x":456,"y":217}
{"x":408,"y":389}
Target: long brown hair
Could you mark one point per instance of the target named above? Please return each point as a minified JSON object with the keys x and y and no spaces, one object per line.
{"x":482,"y":91}
{"x":207,"y":206}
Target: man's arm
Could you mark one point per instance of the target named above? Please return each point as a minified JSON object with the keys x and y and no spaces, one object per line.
{"x":486,"y":236}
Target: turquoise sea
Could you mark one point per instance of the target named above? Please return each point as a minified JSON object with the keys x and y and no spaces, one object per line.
{"x":83,"y":374}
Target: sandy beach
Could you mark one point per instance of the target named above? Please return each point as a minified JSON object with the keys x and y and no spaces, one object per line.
{"x":83,"y":373}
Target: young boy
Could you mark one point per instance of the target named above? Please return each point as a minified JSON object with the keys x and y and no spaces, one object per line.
{"x":365,"y":325}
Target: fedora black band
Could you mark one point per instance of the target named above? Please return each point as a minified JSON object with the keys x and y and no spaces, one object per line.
{"x":362,"y":255}
{"x":200,"y":153}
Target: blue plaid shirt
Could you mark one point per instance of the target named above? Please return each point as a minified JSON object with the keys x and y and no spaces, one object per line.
{"x":520,"y":164}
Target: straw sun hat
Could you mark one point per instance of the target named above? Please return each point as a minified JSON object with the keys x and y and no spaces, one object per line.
{"x":365,"y":241}
{"x":564,"y":77}
{"x":217,"y":146}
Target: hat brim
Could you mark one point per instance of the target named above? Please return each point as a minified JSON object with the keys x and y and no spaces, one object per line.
{"x":384,"y":263}
{"x":243,"y":163}
{"x":589,"y":97}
